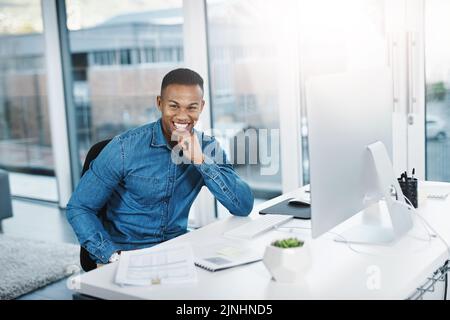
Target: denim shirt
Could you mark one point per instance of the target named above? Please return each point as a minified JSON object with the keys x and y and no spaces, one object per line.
{"x":148,"y":195}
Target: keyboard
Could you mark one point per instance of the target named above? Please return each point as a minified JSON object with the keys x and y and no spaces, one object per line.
{"x":256,"y":227}
{"x":440,"y":196}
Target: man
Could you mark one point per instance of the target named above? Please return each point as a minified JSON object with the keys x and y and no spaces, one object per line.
{"x":149,"y":177}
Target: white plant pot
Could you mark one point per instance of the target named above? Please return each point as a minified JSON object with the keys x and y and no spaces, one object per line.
{"x":287,"y":265}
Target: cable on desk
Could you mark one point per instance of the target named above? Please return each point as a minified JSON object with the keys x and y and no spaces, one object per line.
{"x":445,"y":268}
{"x":422,"y":290}
{"x":436,"y":234}
{"x":423,"y":220}
{"x":349,"y":245}
{"x":424,"y":224}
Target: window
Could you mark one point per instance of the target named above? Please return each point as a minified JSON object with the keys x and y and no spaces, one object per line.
{"x":437,"y":70}
{"x":120,"y":39}
{"x":25,"y":141}
{"x":350,"y":35}
{"x":166,"y":55}
{"x":125,"y":56}
{"x":248,"y":69}
{"x":149,"y":55}
{"x":244,"y":88}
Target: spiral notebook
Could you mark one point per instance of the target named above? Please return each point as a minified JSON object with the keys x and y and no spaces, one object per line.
{"x":224,"y":254}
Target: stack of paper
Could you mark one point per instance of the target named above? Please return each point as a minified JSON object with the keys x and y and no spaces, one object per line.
{"x":169,"y":264}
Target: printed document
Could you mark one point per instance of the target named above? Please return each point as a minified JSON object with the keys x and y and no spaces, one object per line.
{"x":168,"y":264}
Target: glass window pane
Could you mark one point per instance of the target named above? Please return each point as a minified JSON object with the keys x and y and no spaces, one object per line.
{"x":349,"y":35}
{"x":25,"y":143}
{"x":246,"y":56}
{"x":437,"y":71}
{"x":120,"y":52}
{"x":243,"y":62}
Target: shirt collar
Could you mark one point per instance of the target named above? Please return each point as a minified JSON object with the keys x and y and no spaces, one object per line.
{"x":158,"y":138}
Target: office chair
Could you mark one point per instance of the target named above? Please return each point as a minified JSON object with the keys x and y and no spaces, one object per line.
{"x":85,"y":260}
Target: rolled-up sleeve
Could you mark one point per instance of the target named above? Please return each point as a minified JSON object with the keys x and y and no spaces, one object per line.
{"x":91,"y":195}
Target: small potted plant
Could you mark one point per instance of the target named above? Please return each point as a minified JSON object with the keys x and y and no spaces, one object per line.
{"x":287,"y":259}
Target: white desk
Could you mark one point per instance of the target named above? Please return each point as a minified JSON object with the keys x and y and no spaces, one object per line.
{"x":337,"y":271}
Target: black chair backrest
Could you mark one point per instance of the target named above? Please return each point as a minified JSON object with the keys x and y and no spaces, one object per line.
{"x":85,"y":260}
{"x":93,"y":153}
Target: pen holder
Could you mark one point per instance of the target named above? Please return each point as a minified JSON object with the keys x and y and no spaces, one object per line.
{"x":409,"y":189}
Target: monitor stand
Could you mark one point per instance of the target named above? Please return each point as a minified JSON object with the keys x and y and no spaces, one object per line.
{"x":399,"y":211}
{"x":370,"y":230}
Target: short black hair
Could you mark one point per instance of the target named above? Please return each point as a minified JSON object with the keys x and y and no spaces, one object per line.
{"x":182,"y":76}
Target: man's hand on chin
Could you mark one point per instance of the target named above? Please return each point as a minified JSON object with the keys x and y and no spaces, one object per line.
{"x":190,"y":145}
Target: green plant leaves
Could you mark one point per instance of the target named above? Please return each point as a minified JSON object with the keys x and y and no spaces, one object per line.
{"x":288,"y":243}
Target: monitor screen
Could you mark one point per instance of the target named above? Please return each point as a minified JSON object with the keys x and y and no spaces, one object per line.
{"x":346,"y":113}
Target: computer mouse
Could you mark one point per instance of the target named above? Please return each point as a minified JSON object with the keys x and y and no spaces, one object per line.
{"x":298,"y":202}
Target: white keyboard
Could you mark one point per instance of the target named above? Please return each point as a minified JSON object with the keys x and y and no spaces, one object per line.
{"x":254,"y":228}
{"x":439,"y":196}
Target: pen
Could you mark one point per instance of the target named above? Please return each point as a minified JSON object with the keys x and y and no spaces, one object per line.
{"x":413,"y":172}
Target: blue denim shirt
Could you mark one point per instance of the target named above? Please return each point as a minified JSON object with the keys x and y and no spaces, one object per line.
{"x":148,"y":195}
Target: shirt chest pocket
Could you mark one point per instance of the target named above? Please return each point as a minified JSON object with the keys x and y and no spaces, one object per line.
{"x":146,"y":190}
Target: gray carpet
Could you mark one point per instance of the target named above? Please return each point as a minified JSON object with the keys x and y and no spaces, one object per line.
{"x":26,"y":265}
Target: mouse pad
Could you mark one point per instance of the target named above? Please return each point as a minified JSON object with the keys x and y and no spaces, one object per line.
{"x":298,"y":211}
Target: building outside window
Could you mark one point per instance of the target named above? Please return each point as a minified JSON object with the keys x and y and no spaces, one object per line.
{"x":437,"y":76}
{"x":129,"y":46}
{"x":25,"y":143}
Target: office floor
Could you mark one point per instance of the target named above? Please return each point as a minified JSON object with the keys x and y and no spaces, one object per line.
{"x":41,"y":221}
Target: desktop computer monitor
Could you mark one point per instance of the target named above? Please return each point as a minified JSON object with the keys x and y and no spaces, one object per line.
{"x":350,"y":143}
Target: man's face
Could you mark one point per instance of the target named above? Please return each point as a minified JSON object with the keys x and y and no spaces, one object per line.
{"x":180,"y":106}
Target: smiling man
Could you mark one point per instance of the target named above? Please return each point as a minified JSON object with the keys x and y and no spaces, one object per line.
{"x":148,"y":177}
